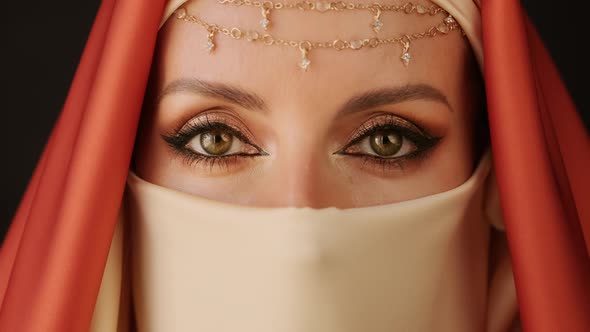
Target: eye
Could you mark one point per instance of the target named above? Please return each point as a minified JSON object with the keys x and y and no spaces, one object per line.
{"x":219,"y":142}
{"x":207,"y":137}
{"x":387,"y":144}
{"x":389,"y":137}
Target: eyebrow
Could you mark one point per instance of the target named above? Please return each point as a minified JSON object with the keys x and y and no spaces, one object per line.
{"x":386,"y":96}
{"x":231,"y":94}
{"x":252,"y":101}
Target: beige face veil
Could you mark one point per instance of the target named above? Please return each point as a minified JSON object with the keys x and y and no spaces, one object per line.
{"x":418,"y":265}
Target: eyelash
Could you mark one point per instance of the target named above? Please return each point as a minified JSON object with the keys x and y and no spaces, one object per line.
{"x":181,"y":137}
{"x":423,"y":141}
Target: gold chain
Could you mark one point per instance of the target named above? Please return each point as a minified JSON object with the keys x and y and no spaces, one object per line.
{"x":306,"y":46}
{"x":323,"y":6}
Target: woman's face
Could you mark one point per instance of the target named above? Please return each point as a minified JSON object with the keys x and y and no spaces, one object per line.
{"x":246,"y":125}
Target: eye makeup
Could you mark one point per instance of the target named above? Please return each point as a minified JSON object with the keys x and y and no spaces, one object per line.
{"x":180,"y":140}
{"x":415,"y":142}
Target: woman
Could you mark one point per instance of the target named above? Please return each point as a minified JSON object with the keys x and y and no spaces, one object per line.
{"x":349,"y":157}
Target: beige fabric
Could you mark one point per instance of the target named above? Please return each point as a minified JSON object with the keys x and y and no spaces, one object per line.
{"x":466,"y":12}
{"x":466,"y":249}
{"x":419,"y":265}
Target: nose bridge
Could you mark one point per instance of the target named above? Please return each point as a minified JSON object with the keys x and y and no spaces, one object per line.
{"x":301,"y":174}
{"x":298,"y":169}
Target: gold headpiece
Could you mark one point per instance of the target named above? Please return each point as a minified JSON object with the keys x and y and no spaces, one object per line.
{"x":306,"y":46}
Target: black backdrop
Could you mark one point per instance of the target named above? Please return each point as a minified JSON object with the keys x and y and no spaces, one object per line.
{"x":43,"y":40}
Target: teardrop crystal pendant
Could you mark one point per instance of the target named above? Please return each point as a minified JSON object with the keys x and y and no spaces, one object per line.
{"x":406,"y":57}
{"x":304,"y":63}
{"x":377,"y":23}
{"x":210,"y":44}
{"x":265,"y":22}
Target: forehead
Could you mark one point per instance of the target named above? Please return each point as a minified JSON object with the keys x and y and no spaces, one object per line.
{"x":273,"y":71}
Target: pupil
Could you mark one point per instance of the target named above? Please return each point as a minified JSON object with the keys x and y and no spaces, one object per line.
{"x":216,"y":142}
{"x":386,"y":144}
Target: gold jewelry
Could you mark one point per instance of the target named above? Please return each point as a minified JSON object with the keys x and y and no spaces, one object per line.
{"x":324,"y":6}
{"x":306,"y":46}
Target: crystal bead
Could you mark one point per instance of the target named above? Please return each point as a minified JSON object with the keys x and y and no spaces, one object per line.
{"x":406,"y":57}
{"x":443,"y":28}
{"x":264,"y":23}
{"x":356,"y":44}
{"x":252,"y":35}
{"x":377,"y":25}
{"x":449,"y":20}
{"x":322,"y":6}
{"x":421,"y":9}
{"x":209,"y":46}
{"x":181,"y":13}
{"x":304,"y":63}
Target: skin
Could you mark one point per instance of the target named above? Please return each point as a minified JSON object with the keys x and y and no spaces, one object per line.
{"x":305,"y":119}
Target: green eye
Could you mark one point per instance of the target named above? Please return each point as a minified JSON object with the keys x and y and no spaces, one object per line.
{"x":386,"y":143}
{"x":216,"y":142}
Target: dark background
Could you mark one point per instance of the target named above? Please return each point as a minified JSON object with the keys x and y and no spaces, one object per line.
{"x":43,"y":40}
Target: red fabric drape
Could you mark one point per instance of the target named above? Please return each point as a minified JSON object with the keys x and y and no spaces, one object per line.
{"x":55,"y":252}
{"x":52,"y":260}
{"x":542,"y":159}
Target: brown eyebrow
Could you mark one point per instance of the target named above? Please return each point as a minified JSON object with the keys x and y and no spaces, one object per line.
{"x":252,"y":101}
{"x":232,"y":94}
{"x":394,"y":95}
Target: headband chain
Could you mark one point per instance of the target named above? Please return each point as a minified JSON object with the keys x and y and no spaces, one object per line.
{"x":306,"y":46}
